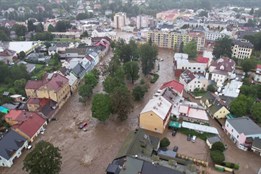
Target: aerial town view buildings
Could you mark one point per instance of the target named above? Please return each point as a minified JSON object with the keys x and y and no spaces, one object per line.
{"x":138,"y":86}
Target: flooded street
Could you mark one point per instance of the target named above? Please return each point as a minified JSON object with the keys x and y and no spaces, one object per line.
{"x":91,"y":151}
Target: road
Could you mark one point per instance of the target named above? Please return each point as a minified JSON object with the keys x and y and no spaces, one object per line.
{"x":92,"y":151}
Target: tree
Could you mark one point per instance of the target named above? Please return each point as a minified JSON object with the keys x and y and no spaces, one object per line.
{"x":219,"y":146}
{"x":43,"y":36}
{"x":138,"y":92}
{"x":30,"y":25}
{"x":20,"y":30}
{"x":85,"y":91}
{"x":256,"y":112}
{"x":191,"y":49}
{"x":62,"y":26}
{"x":101,"y":107}
{"x":222,"y":47}
{"x":211,"y":88}
{"x":91,"y":79}
{"x":148,"y":54}
{"x":203,"y":13}
{"x":4,"y":36}
{"x":44,"y":158}
{"x":39,"y":27}
{"x":181,"y":47}
{"x":241,"y":105}
{"x":51,"y":28}
{"x":217,"y":156}
{"x":21,"y":55}
{"x":131,"y":70}
{"x":251,"y":11}
{"x":164,"y":142}
{"x":84,"y":34}
{"x":82,"y":16}
{"x":248,"y":64}
{"x":122,"y":102}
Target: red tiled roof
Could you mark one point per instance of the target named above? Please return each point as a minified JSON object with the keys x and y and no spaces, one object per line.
{"x":14,"y":114}
{"x":174,"y":85}
{"x":201,"y":59}
{"x":53,"y":81}
{"x":31,"y":125}
{"x":41,"y":101}
{"x":258,"y":66}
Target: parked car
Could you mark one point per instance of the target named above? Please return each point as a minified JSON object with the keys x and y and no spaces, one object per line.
{"x":188,"y":137}
{"x":53,"y":119}
{"x":85,"y":129}
{"x":29,"y":147}
{"x":193,"y":139}
{"x":174,"y":132}
{"x":83,"y":125}
{"x":176,"y":148}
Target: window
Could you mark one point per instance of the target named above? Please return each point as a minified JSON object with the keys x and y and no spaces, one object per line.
{"x":237,"y":136}
{"x":231,"y":130}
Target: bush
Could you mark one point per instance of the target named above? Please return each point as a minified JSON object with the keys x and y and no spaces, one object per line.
{"x":218,"y":146}
{"x":154,"y":78}
{"x":164,"y":142}
{"x":217,"y":156}
{"x":211,"y":88}
{"x":231,"y":165}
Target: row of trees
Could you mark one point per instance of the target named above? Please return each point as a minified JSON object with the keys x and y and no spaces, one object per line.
{"x":124,"y":67}
{"x":90,"y":81}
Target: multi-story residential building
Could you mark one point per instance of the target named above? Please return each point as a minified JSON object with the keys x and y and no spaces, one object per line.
{"x":242,"y":131}
{"x":213,"y":35}
{"x":181,"y":62}
{"x":119,"y":20}
{"x":53,"y":86}
{"x":257,"y":76}
{"x":242,"y":49}
{"x":193,"y":81}
{"x":155,"y":115}
{"x":222,"y":69}
{"x":174,"y":39}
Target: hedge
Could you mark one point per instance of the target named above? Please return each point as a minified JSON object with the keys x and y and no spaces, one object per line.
{"x":155,"y":78}
{"x":231,"y":165}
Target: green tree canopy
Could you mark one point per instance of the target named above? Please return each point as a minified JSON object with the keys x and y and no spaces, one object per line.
{"x":148,"y":54}
{"x":248,"y":64}
{"x":217,"y":156}
{"x":164,"y":142}
{"x":20,"y":30}
{"x":85,"y":91}
{"x":138,"y":92}
{"x":101,"y":106}
{"x":62,"y":26}
{"x":91,"y":79}
{"x":43,"y":36}
{"x":51,"y":28}
{"x":222,"y":47}
{"x":256,"y":112}
{"x":122,"y":102}
{"x":44,"y":158}
{"x":241,"y":105}
{"x":191,"y":49}
{"x":219,"y":146}
{"x":131,"y":70}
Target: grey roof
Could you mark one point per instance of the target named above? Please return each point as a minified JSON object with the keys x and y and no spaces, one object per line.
{"x":214,"y":139}
{"x":10,"y":143}
{"x":113,"y":168}
{"x":257,"y":143}
{"x":10,"y":106}
{"x":80,"y":51}
{"x":245,"y":125}
{"x":132,"y":166}
{"x":53,"y":48}
{"x":139,"y":143}
{"x":78,"y":71}
{"x":243,"y":43}
{"x":149,"y":168}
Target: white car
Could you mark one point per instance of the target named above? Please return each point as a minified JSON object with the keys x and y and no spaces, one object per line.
{"x":193,"y":139}
{"x":29,"y":147}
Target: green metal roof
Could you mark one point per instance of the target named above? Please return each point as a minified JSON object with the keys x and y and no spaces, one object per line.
{"x":174,"y":124}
